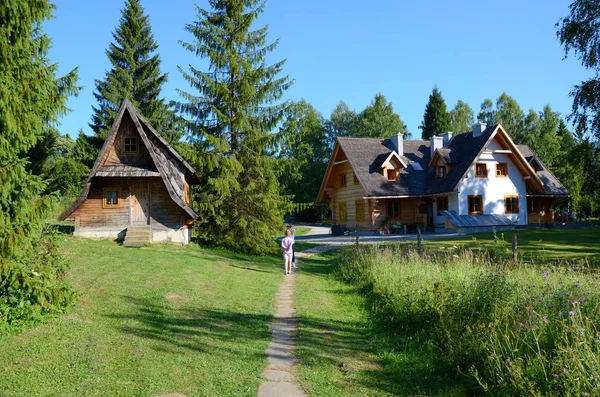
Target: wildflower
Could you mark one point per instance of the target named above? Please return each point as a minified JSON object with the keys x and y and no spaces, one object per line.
{"x":555,"y":376}
{"x":585,"y":394}
{"x":565,"y":371}
{"x":571,"y":314}
{"x":545,"y":275}
{"x":574,"y":303}
{"x":35,"y":273}
{"x":545,"y":319}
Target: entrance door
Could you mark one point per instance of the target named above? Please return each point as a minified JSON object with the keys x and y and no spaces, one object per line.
{"x":140,"y":202}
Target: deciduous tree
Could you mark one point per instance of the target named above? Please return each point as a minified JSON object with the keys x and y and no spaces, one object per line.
{"x":461,"y":118}
{"x":378,"y":120}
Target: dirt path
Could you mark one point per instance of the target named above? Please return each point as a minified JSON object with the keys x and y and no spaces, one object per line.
{"x":280,"y":379}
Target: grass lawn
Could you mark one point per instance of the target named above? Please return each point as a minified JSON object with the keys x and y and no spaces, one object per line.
{"x":533,"y":245}
{"x":150,"y":321}
{"x":343,"y":352}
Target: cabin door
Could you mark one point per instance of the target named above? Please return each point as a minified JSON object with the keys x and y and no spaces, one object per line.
{"x":140,"y":202}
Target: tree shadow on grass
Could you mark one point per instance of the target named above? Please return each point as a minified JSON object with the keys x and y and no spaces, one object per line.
{"x":217,"y":332}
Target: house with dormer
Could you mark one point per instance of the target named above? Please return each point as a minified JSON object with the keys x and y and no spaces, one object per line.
{"x":139,"y":188}
{"x":476,"y":179}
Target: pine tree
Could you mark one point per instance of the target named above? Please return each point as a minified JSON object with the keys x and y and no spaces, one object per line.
{"x":238,"y":198}
{"x":135,"y":74}
{"x":32,"y":100}
{"x":436,"y":119}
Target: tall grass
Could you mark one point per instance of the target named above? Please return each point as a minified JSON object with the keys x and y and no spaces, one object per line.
{"x":507,"y":328}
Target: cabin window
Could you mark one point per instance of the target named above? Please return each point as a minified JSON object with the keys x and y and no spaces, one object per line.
{"x":355,"y":179}
{"x":501,"y":170}
{"x":343,"y":212}
{"x":392,"y":175}
{"x":511,"y":204}
{"x":130,"y":144}
{"x":360,"y":210}
{"x":343,"y":181}
{"x":111,"y":197}
{"x":480,"y":170}
{"x":393,"y":209}
{"x":475,"y":204}
{"x":442,"y":205}
{"x":441,"y":171}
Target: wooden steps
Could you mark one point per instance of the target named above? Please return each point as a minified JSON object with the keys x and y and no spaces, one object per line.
{"x":137,"y":236}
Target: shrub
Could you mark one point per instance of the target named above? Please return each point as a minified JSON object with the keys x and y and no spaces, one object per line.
{"x":34,"y":286}
{"x":509,"y":329}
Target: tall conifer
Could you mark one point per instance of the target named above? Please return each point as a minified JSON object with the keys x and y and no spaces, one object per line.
{"x":134,"y":74}
{"x":436,"y":119}
{"x":31,"y":100}
{"x":230,"y":119}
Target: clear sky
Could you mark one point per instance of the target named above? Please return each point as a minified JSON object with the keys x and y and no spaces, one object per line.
{"x":351,"y":50}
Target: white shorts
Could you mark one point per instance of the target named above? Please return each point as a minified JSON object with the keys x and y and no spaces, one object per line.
{"x":287,"y":256}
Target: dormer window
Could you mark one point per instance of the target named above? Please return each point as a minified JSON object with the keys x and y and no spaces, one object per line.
{"x":130,"y":144}
{"x":392,"y":175}
{"x":441,"y":171}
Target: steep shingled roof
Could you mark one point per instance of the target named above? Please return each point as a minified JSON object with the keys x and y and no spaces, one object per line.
{"x":551,"y":183}
{"x":365,"y":155}
{"x":168,"y":164}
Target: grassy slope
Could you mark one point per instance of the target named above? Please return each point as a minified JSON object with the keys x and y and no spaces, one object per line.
{"x":150,"y":321}
{"x":343,"y":352}
{"x":537,"y":245}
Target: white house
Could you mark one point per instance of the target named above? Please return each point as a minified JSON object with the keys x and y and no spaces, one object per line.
{"x":475,"y":179}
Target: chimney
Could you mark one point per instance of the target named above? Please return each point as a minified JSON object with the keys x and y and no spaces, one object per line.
{"x":398,"y":143}
{"x":446,"y":137}
{"x":478,"y":129}
{"x":436,"y":142}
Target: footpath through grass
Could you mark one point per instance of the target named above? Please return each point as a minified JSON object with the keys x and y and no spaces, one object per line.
{"x":147,"y":322}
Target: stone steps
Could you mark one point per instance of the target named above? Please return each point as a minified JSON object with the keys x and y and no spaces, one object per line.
{"x":137,"y":236}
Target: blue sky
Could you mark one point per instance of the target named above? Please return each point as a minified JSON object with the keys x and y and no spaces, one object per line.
{"x":351,"y":50}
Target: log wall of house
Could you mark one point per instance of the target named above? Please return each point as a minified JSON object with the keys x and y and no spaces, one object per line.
{"x":164,"y":212}
{"x":91,"y":213}
{"x":348,"y":194}
{"x":116,"y":155}
{"x":541,"y":211}
{"x":408,"y":211}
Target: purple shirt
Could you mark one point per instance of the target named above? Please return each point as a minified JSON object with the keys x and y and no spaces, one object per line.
{"x":287,"y":243}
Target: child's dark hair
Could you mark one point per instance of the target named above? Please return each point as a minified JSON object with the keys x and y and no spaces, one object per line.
{"x":288,"y":232}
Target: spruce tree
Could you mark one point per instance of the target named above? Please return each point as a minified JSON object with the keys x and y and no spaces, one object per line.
{"x":436,"y":119}
{"x":230,"y":122}
{"x":32,"y":99}
{"x":134,"y":74}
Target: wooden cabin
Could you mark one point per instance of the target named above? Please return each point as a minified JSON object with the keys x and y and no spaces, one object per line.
{"x":139,"y":188}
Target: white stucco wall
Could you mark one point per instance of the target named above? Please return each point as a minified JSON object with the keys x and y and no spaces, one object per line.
{"x":493,"y":189}
{"x":179,"y":236}
{"x":452,"y":206}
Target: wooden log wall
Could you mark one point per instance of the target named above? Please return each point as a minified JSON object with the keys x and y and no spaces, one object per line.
{"x":164,"y":212}
{"x":116,"y":155}
{"x":91,"y":213}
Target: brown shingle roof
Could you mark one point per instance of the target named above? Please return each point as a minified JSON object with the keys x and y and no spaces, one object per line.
{"x":366,"y":155}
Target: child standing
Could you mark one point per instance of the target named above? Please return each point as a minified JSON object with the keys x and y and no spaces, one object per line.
{"x":287,"y":244}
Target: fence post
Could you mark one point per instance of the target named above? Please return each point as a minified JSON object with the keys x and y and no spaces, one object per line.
{"x":357,"y":230}
{"x":419,"y":241}
{"x":514,"y":247}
